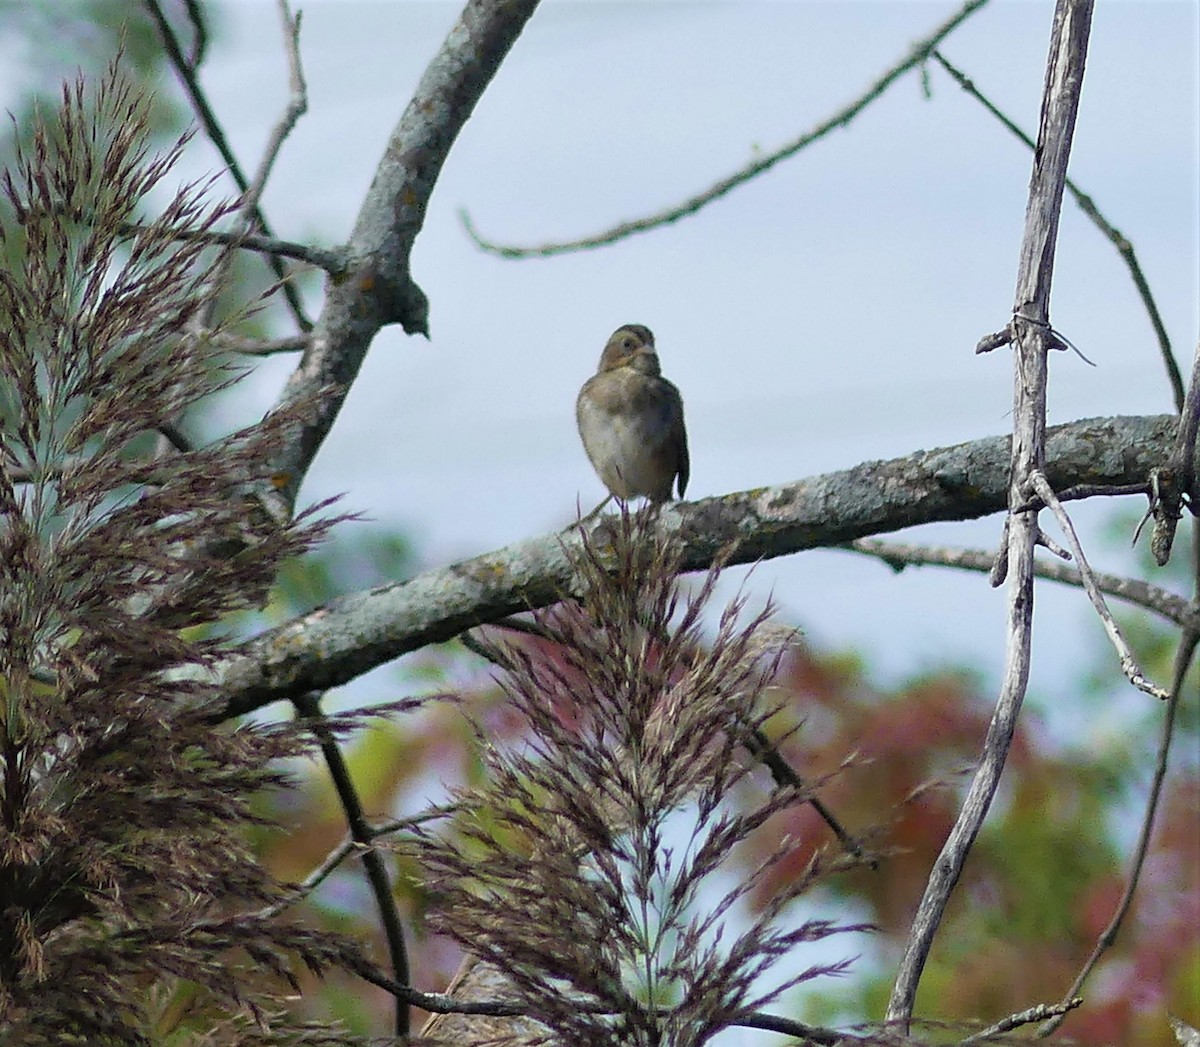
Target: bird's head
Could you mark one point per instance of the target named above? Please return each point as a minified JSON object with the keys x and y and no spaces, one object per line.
{"x":631,"y":346}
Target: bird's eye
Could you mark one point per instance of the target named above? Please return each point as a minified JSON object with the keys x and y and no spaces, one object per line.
{"x":628,"y":343}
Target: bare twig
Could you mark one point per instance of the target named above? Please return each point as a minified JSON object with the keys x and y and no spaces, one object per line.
{"x":1183,"y":660}
{"x":1049,"y":544}
{"x":917,"y":54}
{"x":1173,"y":487}
{"x":1132,"y":590}
{"x":249,"y":207}
{"x":348,"y":846}
{"x":314,"y":879}
{"x":332,"y":261}
{"x":296,"y":107}
{"x":261,"y":346}
{"x":446,"y":1003}
{"x":186,"y":73}
{"x":199,"y":48}
{"x":309,"y":706}
{"x":1129,"y":664}
{"x":1086,"y":205}
{"x":1032,"y":1014}
{"x":1031,"y":328}
{"x":1078,"y":491}
{"x":1184,"y":458}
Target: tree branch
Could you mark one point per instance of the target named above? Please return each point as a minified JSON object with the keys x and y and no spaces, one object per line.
{"x":1132,"y":590}
{"x":309,"y":706}
{"x":377,"y":288}
{"x":1174,"y":486}
{"x":1038,"y":1013}
{"x":917,"y":54}
{"x":1031,"y":330}
{"x":335,"y":643}
{"x":1128,"y":665}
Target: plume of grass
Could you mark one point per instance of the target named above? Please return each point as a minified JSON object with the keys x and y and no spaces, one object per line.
{"x":579,"y":870}
{"x":124,"y":868}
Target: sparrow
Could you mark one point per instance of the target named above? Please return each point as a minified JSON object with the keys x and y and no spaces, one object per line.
{"x":630,"y":419}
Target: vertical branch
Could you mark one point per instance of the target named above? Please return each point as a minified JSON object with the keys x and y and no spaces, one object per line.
{"x":309,"y":706}
{"x":1029,"y":330}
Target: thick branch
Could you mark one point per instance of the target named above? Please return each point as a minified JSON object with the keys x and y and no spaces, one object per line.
{"x":334,"y":644}
{"x":377,"y":287}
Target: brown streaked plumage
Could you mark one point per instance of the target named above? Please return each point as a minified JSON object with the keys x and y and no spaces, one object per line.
{"x":630,"y":419}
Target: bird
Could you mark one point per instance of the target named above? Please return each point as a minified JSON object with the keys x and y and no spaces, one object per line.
{"x":630,"y":419}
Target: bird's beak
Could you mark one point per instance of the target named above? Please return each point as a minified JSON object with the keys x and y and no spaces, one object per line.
{"x":645,"y":359}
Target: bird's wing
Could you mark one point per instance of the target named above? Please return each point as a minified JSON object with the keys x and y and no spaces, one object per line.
{"x":683,"y":466}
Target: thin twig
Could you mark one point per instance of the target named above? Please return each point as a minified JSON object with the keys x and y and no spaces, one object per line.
{"x":1173,"y":487}
{"x":1129,"y":665}
{"x":297,"y":105}
{"x":315,"y":878}
{"x":1183,"y":660}
{"x":261,"y":346}
{"x":1032,"y":1014}
{"x":216,"y":134}
{"x":349,"y":845}
{"x":917,"y":54}
{"x":1031,"y":331}
{"x":309,"y":706}
{"x":199,"y":48}
{"x":1079,"y":491}
{"x":1153,"y":598}
{"x":785,"y":776}
{"x":1114,"y":236}
{"x":1184,"y":458}
{"x":331,"y":260}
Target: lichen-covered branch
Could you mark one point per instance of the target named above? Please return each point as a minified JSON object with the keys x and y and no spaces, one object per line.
{"x":346,"y":638}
